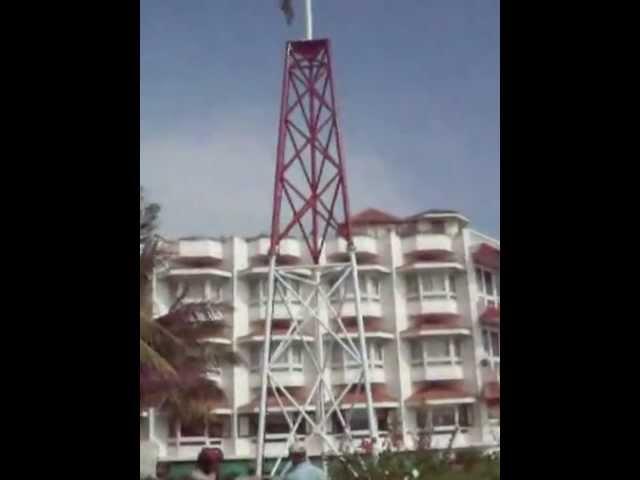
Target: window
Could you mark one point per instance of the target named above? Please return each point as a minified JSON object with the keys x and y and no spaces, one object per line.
{"x":452,"y":283}
{"x":254,"y":290}
{"x":336,"y":355}
{"x":438,"y":226}
{"x":255,"y":359}
{"x":479,"y":280}
{"x":491,"y":346}
{"x":376,"y":287}
{"x":377,"y":352}
{"x":412,"y":286}
{"x":488,"y":283}
{"x":485,"y":341}
{"x":495,"y":344}
{"x":297,"y":355}
{"x":438,"y":347}
{"x":444,"y":417}
{"x":416,"y":352}
{"x":439,"y":351}
{"x":464,"y":416}
{"x":488,"y":287}
{"x":457,"y":353}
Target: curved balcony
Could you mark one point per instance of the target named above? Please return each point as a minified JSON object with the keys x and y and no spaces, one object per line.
{"x":286,"y":374}
{"x":433,"y":372}
{"x":445,"y":304}
{"x":368,"y":308}
{"x":258,"y":311}
{"x":428,"y":246}
{"x":366,"y":249}
{"x":350,"y":373}
{"x":200,"y":252}
{"x":290,"y":251}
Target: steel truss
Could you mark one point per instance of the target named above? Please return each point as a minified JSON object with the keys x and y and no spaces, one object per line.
{"x":330,"y":333}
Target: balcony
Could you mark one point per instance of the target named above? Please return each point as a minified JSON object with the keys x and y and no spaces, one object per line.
{"x":428,"y":246}
{"x":349,"y":372}
{"x":200,"y":252}
{"x":444,"y":303}
{"x":370,"y":305}
{"x":286,"y":374}
{"x":290,"y":251}
{"x":432,"y":372}
{"x":258,"y":310}
{"x":366,"y":249}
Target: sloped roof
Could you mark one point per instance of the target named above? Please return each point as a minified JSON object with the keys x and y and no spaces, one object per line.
{"x":373,"y":216}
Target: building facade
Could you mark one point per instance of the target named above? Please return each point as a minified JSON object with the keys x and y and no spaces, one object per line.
{"x":430,"y":288}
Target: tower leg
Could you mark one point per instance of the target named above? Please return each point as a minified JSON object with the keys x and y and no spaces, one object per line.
{"x":373,"y":421}
{"x":262,"y":419}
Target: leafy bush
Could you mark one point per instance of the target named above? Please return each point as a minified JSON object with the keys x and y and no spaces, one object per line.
{"x":420,"y":465}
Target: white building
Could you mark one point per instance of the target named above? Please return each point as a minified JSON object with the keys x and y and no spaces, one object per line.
{"x":430,"y":295}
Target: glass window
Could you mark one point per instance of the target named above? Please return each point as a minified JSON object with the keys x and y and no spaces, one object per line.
{"x":359,"y":419}
{"x":485,"y":341}
{"x":479,"y":280}
{"x":437,"y":347}
{"x":438,"y":226}
{"x":438,"y":280}
{"x":194,"y":428}
{"x":494,"y":412}
{"x":281,"y":358}
{"x":297,"y":355}
{"x":464,"y":419}
{"x":254,"y":290}
{"x":377,"y":351}
{"x":488,"y":281}
{"x":336,"y":355}
{"x":416,"y":351}
{"x":444,"y":417}
{"x":255,"y":357}
{"x":452,"y":283}
{"x":412,"y":285}
{"x":276,"y":423}
{"x":495,"y":344}
{"x":457,"y":351}
{"x":422,"y":419}
{"x":376,"y":287}
{"x":427,"y":282}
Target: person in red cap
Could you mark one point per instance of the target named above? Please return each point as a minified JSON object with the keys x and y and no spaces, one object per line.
{"x":208,"y":465}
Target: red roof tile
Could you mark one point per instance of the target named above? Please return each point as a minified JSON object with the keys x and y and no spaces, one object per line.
{"x":372,"y":216}
{"x":379,"y":392}
{"x":445,"y":390}
{"x":490,"y":316}
{"x":491,"y":391}
{"x":488,"y":256}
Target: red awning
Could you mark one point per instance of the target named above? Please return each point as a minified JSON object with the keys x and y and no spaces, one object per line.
{"x":431,"y":256}
{"x":491,"y":316}
{"x":434,"y":391}
{"x":356,"y":395}
{"x":491,"y":391}
{"x":487,"y":256}
{"x":371,"y":325}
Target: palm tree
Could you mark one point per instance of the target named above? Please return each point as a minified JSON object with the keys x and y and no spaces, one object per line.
{"x":174,"y":361}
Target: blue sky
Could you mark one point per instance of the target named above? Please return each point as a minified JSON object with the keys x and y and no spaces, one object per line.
{"x":417,"y":83}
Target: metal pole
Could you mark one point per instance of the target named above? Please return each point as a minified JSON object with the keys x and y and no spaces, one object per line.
{"x":265,"y":364}
{"x":373,"y":421}
{"x":309,"y":15}
{"x":322,"y":372}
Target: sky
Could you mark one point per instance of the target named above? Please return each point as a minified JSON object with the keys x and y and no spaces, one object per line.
{"x":417,"y":84}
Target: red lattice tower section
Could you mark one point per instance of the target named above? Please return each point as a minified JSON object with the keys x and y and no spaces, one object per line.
{"x":310,"y":169}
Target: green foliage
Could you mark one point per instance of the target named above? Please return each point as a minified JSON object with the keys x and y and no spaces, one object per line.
{"x":420,"y":465}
